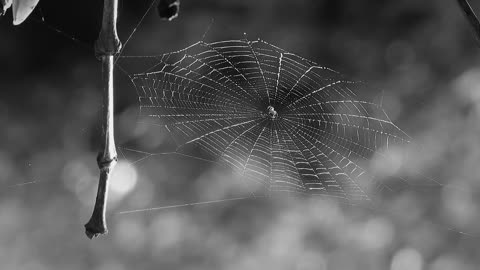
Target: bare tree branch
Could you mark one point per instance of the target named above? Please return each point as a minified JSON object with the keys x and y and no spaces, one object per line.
{"x":106,"y":46}
{"x":471,"y":17}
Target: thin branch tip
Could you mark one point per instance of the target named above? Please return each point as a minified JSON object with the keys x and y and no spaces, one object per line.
{"x":471,"y":18}
{"x":97,"y":225}
{"x":106,"y":47}
{"x":95,"y":230}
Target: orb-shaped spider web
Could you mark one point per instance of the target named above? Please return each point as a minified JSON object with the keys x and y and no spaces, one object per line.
{"x":282,"y":121}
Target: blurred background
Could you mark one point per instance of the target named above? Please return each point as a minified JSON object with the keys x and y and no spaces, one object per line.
{"x":420,"y":54}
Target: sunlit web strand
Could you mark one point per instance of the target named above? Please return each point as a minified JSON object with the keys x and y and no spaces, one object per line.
{"x":184,"y":205}
{"x":135,"y":30}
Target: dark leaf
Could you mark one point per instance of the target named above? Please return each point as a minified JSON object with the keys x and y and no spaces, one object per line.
{"x":168,"y":9}
{"x":6,"y":4}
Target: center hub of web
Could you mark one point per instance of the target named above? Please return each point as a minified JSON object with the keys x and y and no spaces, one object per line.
{"x":271,"y":112}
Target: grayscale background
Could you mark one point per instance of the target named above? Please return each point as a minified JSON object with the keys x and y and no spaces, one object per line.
{"x":421,"y":54}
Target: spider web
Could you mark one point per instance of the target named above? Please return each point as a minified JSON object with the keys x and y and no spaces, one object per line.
{"x":215,"y":96}
{"x":285,"y":123}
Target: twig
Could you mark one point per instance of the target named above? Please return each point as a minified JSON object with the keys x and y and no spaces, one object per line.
{"x":471,"y":17}
{"x":106,"y":46}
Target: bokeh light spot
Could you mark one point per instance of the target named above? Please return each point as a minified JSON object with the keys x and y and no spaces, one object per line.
{"x":124,"y":178}
{"x":377,"y":233}
{"x":407,"y":258}
{"x":387,"y":162}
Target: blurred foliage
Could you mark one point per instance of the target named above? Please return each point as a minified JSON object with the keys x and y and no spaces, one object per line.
{"x":421,"y":53}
